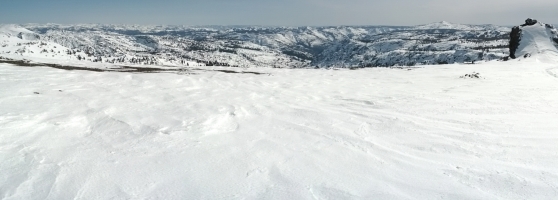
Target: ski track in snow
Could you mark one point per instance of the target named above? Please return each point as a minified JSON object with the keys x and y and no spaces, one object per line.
{"x":298,"y":134}
{"x":553,"y":71}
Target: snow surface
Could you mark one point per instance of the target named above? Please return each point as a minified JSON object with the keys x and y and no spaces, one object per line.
{"x":375,"y":133}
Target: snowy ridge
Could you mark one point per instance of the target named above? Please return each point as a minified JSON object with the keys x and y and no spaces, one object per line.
{"x":17,"y":43}
{"x":278,"y":47}
{"x":20,"y":43}
{"x":537,"y":39}
{"x":13,"y":29}
{"x":18,"y":31}
{"x":449,"y":25}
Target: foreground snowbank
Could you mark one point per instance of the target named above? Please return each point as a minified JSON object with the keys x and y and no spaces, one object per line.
{"x":295,"y":134}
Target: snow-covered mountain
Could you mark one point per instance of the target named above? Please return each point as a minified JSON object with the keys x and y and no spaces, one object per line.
{"x":532,"y":38}
{"x":246,"y":46}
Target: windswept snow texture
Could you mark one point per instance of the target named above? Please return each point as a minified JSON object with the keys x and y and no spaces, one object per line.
{"x":375,"y":133}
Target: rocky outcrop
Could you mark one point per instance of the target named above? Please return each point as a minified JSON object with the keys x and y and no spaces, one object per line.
{"x":530,"y":22}
{"x":515,"y":38}
{"x":554,"y":32}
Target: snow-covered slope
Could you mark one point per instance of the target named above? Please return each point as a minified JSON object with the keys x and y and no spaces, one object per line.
{"x":417,"y":46}
{"x":20,"y":43}
{"x":17,"y":43}
{"x":376,"y":133}
{"x":536,"y":39}
{"x":18,"y":31}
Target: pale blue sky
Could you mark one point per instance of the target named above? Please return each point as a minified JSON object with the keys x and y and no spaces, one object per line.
{"x":277,"y":12}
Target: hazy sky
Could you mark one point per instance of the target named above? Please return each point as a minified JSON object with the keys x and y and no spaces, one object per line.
{"x":277,"y":12}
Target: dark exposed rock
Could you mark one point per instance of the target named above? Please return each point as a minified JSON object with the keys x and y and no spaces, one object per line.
{"x":530,"y":22}
{"x":515,"y":38}
{"x":471,"y":75}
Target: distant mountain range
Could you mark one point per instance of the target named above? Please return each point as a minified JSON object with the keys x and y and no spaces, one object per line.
{"x":257,"y":46}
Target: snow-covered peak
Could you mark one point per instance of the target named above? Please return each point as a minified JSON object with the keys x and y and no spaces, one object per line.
{"x":538,"y":38}
{"x":13,"y":28}
{"x":18,"y":31}
{"x":444,"y":24}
